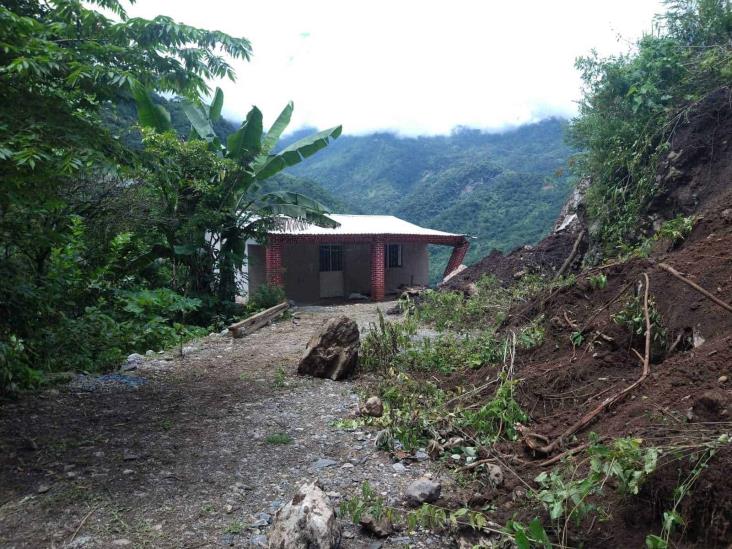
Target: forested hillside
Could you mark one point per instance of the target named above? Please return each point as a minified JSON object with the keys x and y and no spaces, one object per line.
{"x":505,"y":189}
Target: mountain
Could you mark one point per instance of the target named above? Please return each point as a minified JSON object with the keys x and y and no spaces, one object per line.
{"x":504,"y":189}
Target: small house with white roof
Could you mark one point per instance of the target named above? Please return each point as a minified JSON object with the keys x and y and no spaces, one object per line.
{"x":370,"y":255}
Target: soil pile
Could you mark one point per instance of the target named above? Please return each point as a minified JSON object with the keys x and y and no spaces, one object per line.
{"x":588,"y":356}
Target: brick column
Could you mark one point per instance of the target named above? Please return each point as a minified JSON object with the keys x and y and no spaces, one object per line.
{"x":377,"y":269}
{"x":456,"y":259}
{"x":273,"y":262}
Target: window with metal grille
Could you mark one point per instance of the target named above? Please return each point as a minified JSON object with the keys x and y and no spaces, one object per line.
{"x":331,"y":258}
{"x":394,"y":256}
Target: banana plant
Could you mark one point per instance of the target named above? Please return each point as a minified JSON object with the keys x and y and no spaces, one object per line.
{"x":251,"y":149}
{"x":246,"y":211}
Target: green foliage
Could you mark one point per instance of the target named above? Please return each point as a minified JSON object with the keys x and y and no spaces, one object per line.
{"x":279,"y":438}
{"x":598,"y":281}
{"x":266,"y":296}
{"x":115,"y":241}
{"x":632,"y":104}
{"x":426,"y":516}
{"x":632,"y":316}
{"x":528,"y":536}
{"x":279,"y":379}
{"x":504,"y":188}
{"x":384,"y":341}
{"x":672,"y":518}
{"x":676,"y":229}
{"x":498,"y":417}
{"x":576,"y":338}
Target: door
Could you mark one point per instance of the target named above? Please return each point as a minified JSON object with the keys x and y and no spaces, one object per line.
{"x":331,"y":270}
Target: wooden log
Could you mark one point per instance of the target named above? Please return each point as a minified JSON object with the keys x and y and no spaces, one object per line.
{"x":255,"y":322}
{"x":673,"y":272}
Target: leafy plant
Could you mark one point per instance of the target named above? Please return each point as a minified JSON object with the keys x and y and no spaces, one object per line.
{"x":676,"y":229}
{"x":528,"y":536}
{"x":632,"y":316}
{"x":598,"y":281}
{"x":280,"y":377}
{"x":266,"y":296}
{"x":279,"y":438}
{"x":498,"y":418}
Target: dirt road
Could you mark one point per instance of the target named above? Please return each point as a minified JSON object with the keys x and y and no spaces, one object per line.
{"x":200,"y":452}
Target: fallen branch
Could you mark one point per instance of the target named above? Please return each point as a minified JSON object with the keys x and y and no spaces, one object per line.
{"x":78,"y":528}
{"x":608,"y":402}
{"x":568,"y":261}
{"x":560,"y":457}
{"x":694,"y":285}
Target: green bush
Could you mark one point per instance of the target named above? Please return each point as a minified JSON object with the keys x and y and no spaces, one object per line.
{"x":266,"y":296}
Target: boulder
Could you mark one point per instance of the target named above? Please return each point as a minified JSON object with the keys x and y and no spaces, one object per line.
{"x":308,"y":521}
{"x":332,"y":352}
{"x":373,"y":407}
{"x":381,"y":527}
{"x":423,"y":490}
{"x":132,"y":362}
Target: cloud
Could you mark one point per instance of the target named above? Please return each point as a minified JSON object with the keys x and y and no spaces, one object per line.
{"x":413,"y":67}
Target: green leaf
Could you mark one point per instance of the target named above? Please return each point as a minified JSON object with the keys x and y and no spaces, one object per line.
{"x":214,"y":111}
{"x":297,"y":152}
{"x":199,"y":121}
{"x":149,"y":113}
{"x":274,"y":133}
{"x":247,"y":141}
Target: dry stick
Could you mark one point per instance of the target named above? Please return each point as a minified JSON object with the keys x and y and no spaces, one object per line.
{"x":608,"y":402}
{"x":81,"y":524}
{"x":694,"y":285}
{"x":569,"y":259}
{"x":561,"y":456}
{"x":613,"y":300}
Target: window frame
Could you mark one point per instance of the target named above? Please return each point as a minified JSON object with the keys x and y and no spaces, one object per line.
{"x":330,"y":256}
{"x":399,"y":256}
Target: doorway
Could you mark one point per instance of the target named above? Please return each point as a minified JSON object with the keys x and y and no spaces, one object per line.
{"x":331,"y":270}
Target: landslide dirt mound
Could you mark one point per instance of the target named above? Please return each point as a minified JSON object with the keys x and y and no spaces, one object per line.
{"x":687,"y":399}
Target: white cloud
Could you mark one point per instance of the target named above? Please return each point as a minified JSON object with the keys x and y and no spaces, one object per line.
{"x":415,"y":67}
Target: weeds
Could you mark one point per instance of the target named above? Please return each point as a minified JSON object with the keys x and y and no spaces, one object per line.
{"x":496,"y":419}
{"x":279,"y":378}
{"x":279,"y":438}
{"x":672,"y":518}
{"x":676,"y":229}
{"x":632,"y":316}
{"x":598,"y":281}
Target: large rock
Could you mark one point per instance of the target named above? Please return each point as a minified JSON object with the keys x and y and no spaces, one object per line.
{"x":307,"y":522}
{"x":423,"y":490}
{"x":332,"y":352}
{"x":373,"y":407}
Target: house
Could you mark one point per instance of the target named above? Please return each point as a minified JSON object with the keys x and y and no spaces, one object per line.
{"x":371,"y":255}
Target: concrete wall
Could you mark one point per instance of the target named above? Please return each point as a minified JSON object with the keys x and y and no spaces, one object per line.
{"x":415,"y":270}
{"x":255,"y":265}
{"x":302,"y":269}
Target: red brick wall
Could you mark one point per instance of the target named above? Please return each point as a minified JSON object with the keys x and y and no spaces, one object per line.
{"x":377,"y":269}
{"x":273,"y":262}
{"x":456,"y":259}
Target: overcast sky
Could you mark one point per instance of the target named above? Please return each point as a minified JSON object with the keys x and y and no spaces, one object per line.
{"x":412,"y":66}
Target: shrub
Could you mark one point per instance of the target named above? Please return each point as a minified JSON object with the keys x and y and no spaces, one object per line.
{"x":266,"y":296}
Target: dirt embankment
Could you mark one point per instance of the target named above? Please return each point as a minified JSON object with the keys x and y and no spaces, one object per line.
{"x":687,"y":399}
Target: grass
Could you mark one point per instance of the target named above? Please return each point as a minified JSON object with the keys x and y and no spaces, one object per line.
{"x":279,"y":438}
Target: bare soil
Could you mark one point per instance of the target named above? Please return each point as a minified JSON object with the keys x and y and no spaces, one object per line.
{"x":687,"y":398}
{"x":184,"y":460}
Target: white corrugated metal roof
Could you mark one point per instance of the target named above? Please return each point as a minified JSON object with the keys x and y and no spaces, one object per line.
{"x":364,"y":225}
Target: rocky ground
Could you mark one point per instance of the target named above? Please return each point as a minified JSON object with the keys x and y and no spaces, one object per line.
{"x":193,"y":451}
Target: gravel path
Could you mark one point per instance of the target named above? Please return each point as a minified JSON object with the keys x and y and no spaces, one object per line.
{"x":190,"y":458}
